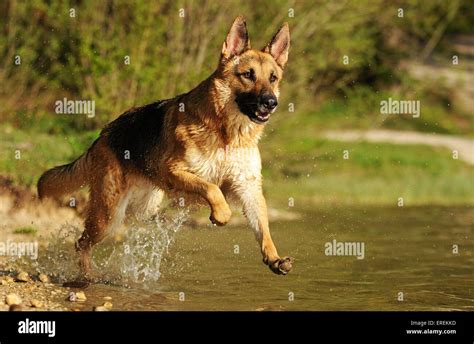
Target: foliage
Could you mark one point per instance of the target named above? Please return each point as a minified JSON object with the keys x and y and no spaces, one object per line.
{"x":83,"y":57}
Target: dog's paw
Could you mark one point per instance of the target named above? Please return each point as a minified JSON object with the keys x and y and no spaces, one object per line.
{"x":221,"y":216}
{"x":282,"y":266}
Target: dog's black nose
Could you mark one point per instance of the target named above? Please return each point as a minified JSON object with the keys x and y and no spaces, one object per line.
{"x":269,"y":101}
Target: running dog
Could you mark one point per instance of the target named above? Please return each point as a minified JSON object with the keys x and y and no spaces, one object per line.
{"x":203,"y":143}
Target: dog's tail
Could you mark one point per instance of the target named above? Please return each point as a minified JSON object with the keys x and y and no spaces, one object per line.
{"x":64,"y":179}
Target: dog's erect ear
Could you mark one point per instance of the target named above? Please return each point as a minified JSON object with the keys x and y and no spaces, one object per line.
{"x":280,"y":45}
{"x":237,"y":40}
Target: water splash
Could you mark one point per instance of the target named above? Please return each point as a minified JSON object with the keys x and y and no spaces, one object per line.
{"x":59,"y":258}
{"x":133,"y":261}
{"x":138,"y":258}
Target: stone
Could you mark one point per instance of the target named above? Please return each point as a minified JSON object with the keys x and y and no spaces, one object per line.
{"x":44,"y":278}
{"x":100,"y":309}
{"x":37,"y":303}
{"x":76,"y":297}
{"x":16,"y":308}
{"x":81,"y":296}
{"x":13,"y":299}
{"x":23,"y":277}
{"x":108,"y":305}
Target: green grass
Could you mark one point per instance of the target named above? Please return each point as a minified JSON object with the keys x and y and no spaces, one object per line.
{"x":298,"y":163}
{"x":312,"y":170}
{"x":25,"y":230}
{"x":37,"y":151}
{"x":359,"y":108}
{"x":373,"y":174}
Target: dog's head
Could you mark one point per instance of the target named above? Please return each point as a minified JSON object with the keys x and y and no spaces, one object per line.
{"x":252,"y":76}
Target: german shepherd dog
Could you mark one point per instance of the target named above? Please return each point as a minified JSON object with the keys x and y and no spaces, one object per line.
{"x":202,"y":143}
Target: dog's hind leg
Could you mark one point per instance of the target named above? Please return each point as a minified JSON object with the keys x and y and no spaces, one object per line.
{"x":106,"y":208}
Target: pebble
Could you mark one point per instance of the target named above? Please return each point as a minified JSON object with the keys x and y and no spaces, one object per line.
{"x":81,"y":296}
{"x":43,"y":278}
{"x":107,"y":298}
{"x":12,"y":299}
{"x":23,"y":277}
{"x":100,"y":309}
{"x":16,"y":308}
{"x":7,"y":279}
{"x":37,"y":303}
{"x":108,"y":305}
{"x":77,"y":297}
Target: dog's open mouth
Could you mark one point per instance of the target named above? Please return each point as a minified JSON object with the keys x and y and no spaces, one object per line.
{"x":248,"y":105}
{"x":260,"y":117}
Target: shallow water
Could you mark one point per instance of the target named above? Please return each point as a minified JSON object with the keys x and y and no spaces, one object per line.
{"x":407,"y":250}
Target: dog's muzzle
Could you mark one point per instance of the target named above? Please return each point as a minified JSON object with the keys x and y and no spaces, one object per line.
{"x":258,"y":109}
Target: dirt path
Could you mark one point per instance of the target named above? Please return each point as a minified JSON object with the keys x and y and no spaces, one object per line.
{"x":464,"y":146}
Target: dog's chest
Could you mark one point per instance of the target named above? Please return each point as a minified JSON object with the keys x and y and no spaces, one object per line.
{"x":221,"y":165}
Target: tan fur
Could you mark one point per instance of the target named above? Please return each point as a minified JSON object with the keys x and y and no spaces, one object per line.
{"x":209,"y":151}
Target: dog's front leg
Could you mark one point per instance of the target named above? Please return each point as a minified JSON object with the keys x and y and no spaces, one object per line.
{"x":188,"y":182}
{"x":255,"y":209}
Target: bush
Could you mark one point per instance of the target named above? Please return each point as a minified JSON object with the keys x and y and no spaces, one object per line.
{"x":83,"y":57}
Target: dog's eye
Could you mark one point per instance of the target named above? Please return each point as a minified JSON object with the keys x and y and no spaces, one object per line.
{"x":273,"y":78}
{"x":248,"y":74}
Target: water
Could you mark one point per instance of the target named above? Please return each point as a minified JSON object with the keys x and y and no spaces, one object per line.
{"x":407,"y":250}
{"x":130,"y":256}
